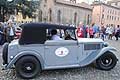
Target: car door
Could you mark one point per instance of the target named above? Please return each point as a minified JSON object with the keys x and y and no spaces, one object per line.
{"x":61,"y":52}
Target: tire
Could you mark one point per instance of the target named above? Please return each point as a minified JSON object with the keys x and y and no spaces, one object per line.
{"x":5,"y":53}
{"x":107,"y":61}
{"x":27,"y":67}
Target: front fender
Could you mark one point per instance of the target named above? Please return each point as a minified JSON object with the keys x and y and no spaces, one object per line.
{"x":95,"y":55}
{"x":24,"y":53}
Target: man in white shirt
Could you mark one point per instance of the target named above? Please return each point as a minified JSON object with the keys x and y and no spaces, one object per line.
{"x":54,"y":35}
{"x":9,"y":32}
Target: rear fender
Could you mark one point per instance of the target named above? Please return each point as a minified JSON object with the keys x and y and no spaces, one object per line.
{"x":95,"y":55}
{"x":25,"y":53}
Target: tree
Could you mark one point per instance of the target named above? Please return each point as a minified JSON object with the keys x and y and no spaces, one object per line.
{"x":27,"y":8}
{"x":2,"y":9}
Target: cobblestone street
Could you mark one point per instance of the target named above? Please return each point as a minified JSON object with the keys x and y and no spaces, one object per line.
{"x":86,"y":73}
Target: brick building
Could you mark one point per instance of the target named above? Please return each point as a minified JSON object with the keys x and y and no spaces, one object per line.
{"x":107,"y":14}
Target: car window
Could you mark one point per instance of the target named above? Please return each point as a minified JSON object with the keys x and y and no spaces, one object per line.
{"x":18,"y":29}
{"x":63,"y":34}
{"x":69,"y":34}
{"x":60,"y":33}
{"x":48,"y":34}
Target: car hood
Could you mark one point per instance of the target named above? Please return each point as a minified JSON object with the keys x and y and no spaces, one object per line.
{"x":89,"y":40}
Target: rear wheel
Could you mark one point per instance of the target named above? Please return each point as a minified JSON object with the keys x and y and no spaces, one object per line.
{"x":107,"y":61}
{"x":27,"y":67}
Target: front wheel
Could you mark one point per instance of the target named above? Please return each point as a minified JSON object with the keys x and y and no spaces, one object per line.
{"x":27,"y":67}
{"x":107,"y":61}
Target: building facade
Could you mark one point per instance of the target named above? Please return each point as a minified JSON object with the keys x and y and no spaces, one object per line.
{"x":115,"y":3}
{"x":64,"y":12}
{"x":105,"y":14}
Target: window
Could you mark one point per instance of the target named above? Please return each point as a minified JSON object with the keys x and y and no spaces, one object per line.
{"x":103,"y":9}
{"x":88,"y":19}
{"x":113,"y":12}
{"x":75,"y":18}
{"x":59,"y":16}
{"x":40,"y":15}
{"x":110,"y":11}
{"x":44,"y":5}
{"x":50,"y":15}
{"x":74,"y":1}
{"x":116,"y":3}
{"x":69,"y":34}
{"x":45,"y":1}
{"x":102,"y":16}
{"x":115,"y":18}
{"x":65,"y":34}
{"x":107,"y":16}
{"x":112,"y":17}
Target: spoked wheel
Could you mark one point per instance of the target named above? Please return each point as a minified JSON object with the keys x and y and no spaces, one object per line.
{"x":27,"y":67}
{"x":107,"y":61}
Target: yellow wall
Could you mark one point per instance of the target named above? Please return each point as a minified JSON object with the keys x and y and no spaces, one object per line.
{"x":19,"y":18}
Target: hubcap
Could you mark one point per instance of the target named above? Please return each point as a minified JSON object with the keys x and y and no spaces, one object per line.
{"x":106,"y":61}
{"x":28,"y":68}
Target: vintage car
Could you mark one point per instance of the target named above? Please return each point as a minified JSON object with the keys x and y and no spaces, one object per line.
{"x":35,"y":51}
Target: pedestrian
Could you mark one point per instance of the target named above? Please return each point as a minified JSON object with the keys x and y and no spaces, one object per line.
{"x":80,"y":31}
{"x":109,"y":30}
{"x":117,"y":32}
{"x":9,"y":32}
{"x":1,"y":33}
{"x":102,"y":32}
{"x":85,"y":31}
{"x":90,"y":31}
{"x":96,"y":30}
{"x":4,"y":36}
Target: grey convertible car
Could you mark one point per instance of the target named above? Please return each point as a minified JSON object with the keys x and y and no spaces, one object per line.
{"x":35,"y":51}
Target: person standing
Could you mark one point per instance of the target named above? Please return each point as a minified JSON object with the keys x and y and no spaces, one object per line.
{"x":80,"y":31}
{"x":117,"y":32}
{"x":109,"y":30}
{"x":9,"y":32}
{"x":85,"y":31}
{"x":102,"y":31}
{"x":1,"y":33}
{"x":90,"y":31}
{"x":95,"y":30}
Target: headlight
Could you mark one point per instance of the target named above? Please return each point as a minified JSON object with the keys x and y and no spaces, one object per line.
{"x":105,"y":44}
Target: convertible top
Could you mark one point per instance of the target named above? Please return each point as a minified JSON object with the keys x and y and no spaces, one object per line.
{"x":35,"y":33}
{"x":47,"y":26}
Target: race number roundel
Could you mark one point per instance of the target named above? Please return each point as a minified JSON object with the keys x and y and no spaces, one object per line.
{"x":61,"y":52}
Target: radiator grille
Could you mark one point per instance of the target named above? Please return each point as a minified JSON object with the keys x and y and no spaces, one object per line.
{"x":91,"y":46}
